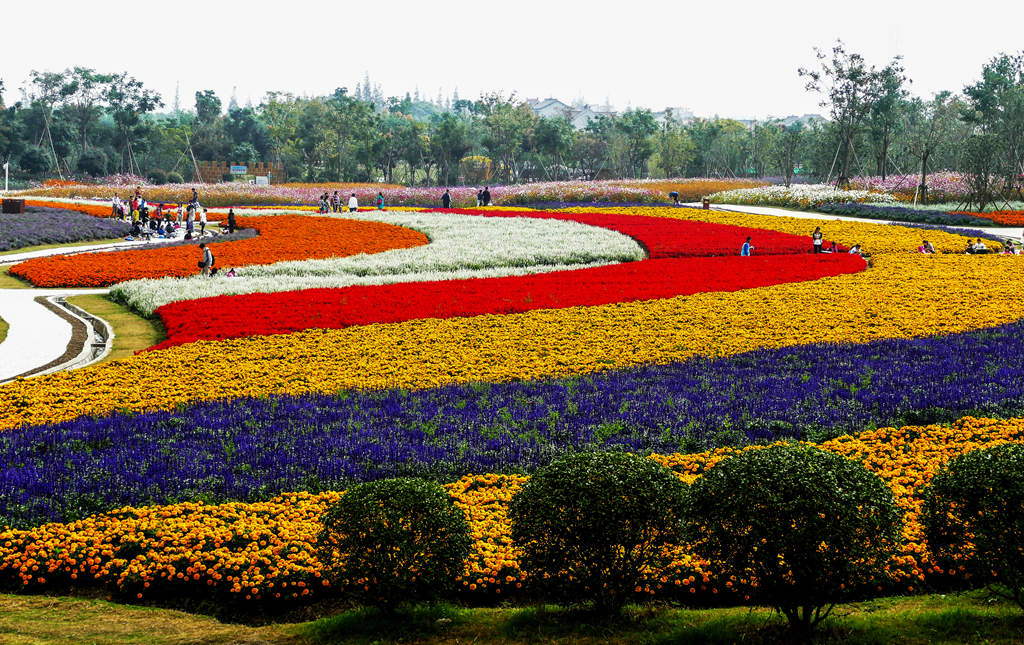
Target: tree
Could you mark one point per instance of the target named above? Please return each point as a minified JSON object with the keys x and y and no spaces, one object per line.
{"x":207,"y":107}
{"x":507,"y":129}
{"x":787,"y":148}
{"x":449,"y":143}
{"x":128,"y":99}
{"x":928,"y":126}
{"x":996,"y":104}
{"x":638,"y":128}
{"x":885,"y":113}
{"x":83,"y":93}
{"x":596,"y":525}
{"x":794,"y":527}
{"x":551,"y":140}
{"x":850,"y":88}
{"x":675,"y":148}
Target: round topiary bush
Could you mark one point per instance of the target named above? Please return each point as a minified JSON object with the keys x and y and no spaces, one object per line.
{"x":174,"y":177}
{"x":157,"y":176}
{"x":394,"y":540}
{"x":593,"y":526}
{"x":973,"y":514}
{"x":793,"y":527}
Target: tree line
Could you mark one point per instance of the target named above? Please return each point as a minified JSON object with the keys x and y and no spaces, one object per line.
{"x":83,"y":122}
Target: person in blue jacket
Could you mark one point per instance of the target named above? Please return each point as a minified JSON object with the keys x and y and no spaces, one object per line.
{"x":747,"y":248}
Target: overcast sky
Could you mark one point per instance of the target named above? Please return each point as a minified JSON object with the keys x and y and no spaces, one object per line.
{"x":735,"y":59}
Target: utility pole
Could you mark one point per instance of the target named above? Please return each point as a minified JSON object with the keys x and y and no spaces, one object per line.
{"x":7,"y":166}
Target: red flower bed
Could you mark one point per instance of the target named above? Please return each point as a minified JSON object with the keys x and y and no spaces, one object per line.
{"x":278,"y":313}
{"x":673,"y":271}
{"x":281,"y":238}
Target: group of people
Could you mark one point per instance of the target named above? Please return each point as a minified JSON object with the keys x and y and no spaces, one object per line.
{"x":483,"y":197}
{"x":331,"y":203}
{"x":817,"y":246}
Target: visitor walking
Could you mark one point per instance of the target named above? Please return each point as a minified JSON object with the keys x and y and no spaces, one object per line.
{"x":232,"y":224}
{"x":446,"y":199}
{"x":202,"y":223}
{"x":353,"y":203}
{"x":334,"y":203}
{"x":487,"y":196}
{"x":207,"y":262}
{"x":817,"y":238}
{"x":479,"y":197}
{"x":380,"y":201}
{"x":746,"y":249}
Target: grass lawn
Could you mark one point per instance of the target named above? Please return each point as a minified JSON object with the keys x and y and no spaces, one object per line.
{"x":132,"y":332}
{"x":3,"y":329}
{"x":8,"y":281}
{"x":915,"y":620}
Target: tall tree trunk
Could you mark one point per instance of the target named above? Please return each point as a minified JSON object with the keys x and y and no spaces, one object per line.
{"x":924,"y":175}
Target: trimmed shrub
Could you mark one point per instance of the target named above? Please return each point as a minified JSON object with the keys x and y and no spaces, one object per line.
{"x":794,"y":527}
{"x":973,"y":514}
{"x":174,"y":177}
{"x":391,"y":541}
{"x":157,"y":176}
{"x":594,"y":525}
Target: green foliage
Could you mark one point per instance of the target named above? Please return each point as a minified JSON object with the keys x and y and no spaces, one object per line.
{"x":391,"y":541}
{"x":93,"y":162}
{"x":157,"y":176}
{"x":34,"y":160}
{"x":174,"y":177}
{"x":592,"y":525}
{"x":793,"y":527}
{"x":973,"y":515}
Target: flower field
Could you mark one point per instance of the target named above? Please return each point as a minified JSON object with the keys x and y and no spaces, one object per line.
{"x":799,"y":196}
{"x":280,"y":239}
{"x":266,"y":549}
{"x":472,"y":346}
{"x":41,"y":225}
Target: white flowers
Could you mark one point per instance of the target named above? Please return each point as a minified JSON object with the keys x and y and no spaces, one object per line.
{"x":799,"y":196}
{"x":461,"y":246}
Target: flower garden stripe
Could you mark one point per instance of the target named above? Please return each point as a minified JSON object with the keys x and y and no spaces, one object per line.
{"x":266,"y":549}
{"x":251,"y":448}
{"x":461,"y":246}
{"x":277,"y":313}
{"x":904,"y":295}
{"x":281,"y":238}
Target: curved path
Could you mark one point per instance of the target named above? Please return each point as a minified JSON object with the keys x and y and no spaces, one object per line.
{"x":37,"y":335}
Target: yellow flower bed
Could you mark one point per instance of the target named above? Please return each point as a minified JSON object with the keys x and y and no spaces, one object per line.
{"x":267,"y":549}
{"x":904,"y":295}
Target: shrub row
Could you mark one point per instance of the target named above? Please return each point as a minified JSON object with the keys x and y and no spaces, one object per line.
{"x":789,"y":526}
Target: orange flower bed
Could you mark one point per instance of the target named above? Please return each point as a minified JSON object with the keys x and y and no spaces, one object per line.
{"x":281,"y":238}
{"x":1006,"y":218}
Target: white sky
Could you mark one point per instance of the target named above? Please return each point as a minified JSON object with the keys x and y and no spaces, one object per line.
{"x":736,"y":59}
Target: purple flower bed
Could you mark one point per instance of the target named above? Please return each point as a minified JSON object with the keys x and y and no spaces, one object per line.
{"x":248,"y":449}
{"x":38,"y":226}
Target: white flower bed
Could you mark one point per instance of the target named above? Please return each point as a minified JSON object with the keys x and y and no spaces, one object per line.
{"x":461,"y":247}
{"x":799,"y":196}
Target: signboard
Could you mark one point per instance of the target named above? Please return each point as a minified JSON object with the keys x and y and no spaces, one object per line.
{"x":239,"y":170}
{"x":263,"y":181}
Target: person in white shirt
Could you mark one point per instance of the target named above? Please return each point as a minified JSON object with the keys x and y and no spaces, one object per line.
{"x":353,"y":203}
{"x":202,"y":223}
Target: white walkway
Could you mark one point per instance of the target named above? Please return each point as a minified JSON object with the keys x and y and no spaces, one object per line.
{"x":1008,"y":232}
{"x":37,"y":336}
